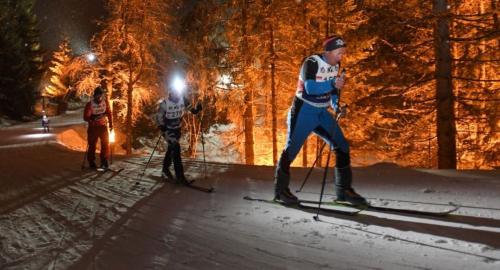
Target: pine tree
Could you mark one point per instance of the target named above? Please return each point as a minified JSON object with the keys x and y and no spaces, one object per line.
{"x":475,"y":31}
{"x":60,"y":80}
{"x":203,"y":42}
{"x":20,"y":58}
{"x":131,"y":51}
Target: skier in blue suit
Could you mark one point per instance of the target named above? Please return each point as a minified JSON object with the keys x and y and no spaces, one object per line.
{"x":318,"y":88}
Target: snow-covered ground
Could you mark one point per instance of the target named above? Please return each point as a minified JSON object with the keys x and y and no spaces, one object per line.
{"x":54,"y":216}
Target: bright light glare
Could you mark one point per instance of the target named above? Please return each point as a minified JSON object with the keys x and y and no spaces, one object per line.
{"x":225,"y":79}
{"x":178,"y":84}
{"x":112,"y":136}
{"x":36,"y":136}
{"x":91,"y":57}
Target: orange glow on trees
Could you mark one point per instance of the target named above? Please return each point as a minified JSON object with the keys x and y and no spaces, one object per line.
{"x":130,"y":53}
{"x":391,"y":75}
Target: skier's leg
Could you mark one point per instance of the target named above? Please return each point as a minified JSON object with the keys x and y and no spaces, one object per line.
{"x":178,"y":168}
{"x":330,"y":131}
{"x":167,"y":160}
{"x":302,"y":119}
{"x":92,"y":141}
{"x":176,"y":155}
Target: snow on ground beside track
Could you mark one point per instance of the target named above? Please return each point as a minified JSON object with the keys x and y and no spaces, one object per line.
{"x":54,"y":216}
{"x":57,"y":227}
{"x":105,"y":223}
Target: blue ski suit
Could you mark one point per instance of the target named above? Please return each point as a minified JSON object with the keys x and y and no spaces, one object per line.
{"x":309,"y":113}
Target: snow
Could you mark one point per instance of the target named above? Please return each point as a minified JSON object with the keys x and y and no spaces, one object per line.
{"x":55,"y":216}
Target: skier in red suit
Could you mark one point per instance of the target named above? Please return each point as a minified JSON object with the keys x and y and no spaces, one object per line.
{"x":98,"y":115}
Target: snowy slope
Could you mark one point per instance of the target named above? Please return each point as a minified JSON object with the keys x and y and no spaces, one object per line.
{"x":55,"y":216}
{"x":104,"y":223}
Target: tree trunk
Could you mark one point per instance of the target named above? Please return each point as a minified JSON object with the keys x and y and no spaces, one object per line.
{"x":446,"y":129}
{"x":248,"y":114}
{"x":304,"y":154}
{"x":319,"y":155}
{"x":128,"y":124}
{"x":273,"y":97}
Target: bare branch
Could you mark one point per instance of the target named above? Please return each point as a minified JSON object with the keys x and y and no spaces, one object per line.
{"x":473,"y":80}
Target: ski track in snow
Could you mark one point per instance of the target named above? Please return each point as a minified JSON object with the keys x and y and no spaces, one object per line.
{"x":75,"y":220}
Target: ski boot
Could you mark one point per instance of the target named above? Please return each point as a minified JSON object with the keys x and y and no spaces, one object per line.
{"x":285,"y":196}
{"x":104,"y":165}
{"x":281,"y":181}
{"x":92,"y":165}
{"x":349,"y":196}
{"x":182,"y":181}
{"x":167,"y":175}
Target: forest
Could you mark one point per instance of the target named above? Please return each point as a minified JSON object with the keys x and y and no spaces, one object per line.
{"x":422,"y":85}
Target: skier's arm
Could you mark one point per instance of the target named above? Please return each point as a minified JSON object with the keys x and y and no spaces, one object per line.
{"x":335,"y":102}
{"x":312,"y":87}
{"x":87,"y":113}
{"x":160,"y":115}
{"x":189,"y":106}
{"x":196,"y":109}
{"x":335,"y":94}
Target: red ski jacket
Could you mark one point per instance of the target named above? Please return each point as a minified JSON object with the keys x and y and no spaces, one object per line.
{"x":96,"y":113}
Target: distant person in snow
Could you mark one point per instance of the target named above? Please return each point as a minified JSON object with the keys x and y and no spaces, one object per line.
{"x":98,"y":115}
{"x":319,"y":86}
{"x":169,"y":120}
{"x":45,"y":123}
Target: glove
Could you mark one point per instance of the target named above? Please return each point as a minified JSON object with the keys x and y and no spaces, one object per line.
{"x":163,"y":128}
{"x":197,"y":108}
{"x":95,"y":117}
{"x":334,"y":91}
{"x":338,"y":82}
{"x":342,"y":111}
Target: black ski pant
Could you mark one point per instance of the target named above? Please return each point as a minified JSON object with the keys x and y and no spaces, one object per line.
{"x":172,"y":136}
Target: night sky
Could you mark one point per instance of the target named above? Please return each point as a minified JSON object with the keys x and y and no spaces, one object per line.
{"x":75,"y":18}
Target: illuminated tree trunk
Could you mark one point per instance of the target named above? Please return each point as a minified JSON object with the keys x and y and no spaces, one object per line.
{"x":444,"y":91}
{"x":495,"y":15}
{"x":273,"y":97}
{"x":128,"y":123}
{"x":304,"y":154}
{"x":248,"y":114}
{"x":319,"y":155}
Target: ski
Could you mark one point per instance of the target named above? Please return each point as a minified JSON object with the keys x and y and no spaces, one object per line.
{"x":199,"y":188}
{"x":103,"y":170}
{"x":189,"y":184}
{"x":342,"y":210}
{"x":392,"y":209}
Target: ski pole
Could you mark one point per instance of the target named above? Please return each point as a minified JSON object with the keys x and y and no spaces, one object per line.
{"x":149,"y":160}
{"x":203,"y":149}
{"x":323,"y":185}
{"x":312,"y":167}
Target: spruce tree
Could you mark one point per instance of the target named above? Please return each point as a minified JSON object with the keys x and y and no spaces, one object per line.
{"x":59,"y":84}
{"x":20,"y":58}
